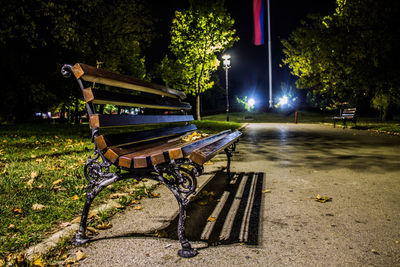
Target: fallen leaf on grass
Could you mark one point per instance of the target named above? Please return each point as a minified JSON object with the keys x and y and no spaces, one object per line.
{"x":38,"y":206}
{"x":138,"y":207}
{"x":11,"y":227}
{"x":80,"y":255}
{"x":103,"y":226}
{"x":56,"y":182}
{"x":57,"y":188}
{"x":134,"y":201}
{"x":211,"y":219}
{"x":33,"y":156}
{"x":17,"y":210}
{"x":75,"y":197}
{"x":34,"y":175}
{"x":322,"y":199}
{"x":117,"y":195}
{"x":30,"y":182}
{"x":38,"y":262}
{"x":20,"y":258}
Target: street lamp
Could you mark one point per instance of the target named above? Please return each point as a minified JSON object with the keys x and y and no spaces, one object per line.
{"x":227,"y":66}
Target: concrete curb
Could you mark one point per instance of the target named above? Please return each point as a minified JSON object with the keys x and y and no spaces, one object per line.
{"x":243,"y":126}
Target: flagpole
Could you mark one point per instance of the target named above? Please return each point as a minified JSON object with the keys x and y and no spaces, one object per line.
{"x":269,"y":57}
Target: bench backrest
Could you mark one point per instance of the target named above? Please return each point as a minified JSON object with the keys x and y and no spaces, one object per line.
{"x":349,"y":112}
{"x":164,"y":103}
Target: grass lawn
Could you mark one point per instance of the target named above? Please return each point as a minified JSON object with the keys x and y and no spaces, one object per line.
{"x":363,"y":123}
{"x":41,"y":179}
{"x":302,"y":117}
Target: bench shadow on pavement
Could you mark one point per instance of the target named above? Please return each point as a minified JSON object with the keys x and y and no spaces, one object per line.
{"x":223,"y":212}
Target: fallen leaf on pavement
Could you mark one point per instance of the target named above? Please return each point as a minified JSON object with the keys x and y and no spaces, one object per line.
{"x":374,"y":251}
{"x":80,"y":255}
{"x":76,"y":220}
{"x":138,"y":207}
{"x":322,"y":199}
{"x":92,"y":230}
{"x":154,"y":195}
{"x":103,"y":226}
{"x":160,"y":234}
{"x":211,"y":219}
{"x":266,"y":191}
{"x":65,"y":224}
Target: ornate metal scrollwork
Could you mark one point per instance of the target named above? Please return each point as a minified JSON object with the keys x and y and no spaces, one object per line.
{"x":96,"y":171}
{"x":180,"y":177}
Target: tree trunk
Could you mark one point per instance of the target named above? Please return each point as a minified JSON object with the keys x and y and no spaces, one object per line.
{"x":198,"y":107}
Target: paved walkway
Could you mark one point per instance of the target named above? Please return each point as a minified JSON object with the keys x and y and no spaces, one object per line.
{"x":359,"y":170}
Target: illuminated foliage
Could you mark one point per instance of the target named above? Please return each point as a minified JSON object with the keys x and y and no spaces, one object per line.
{"x":197,"y":35}
{"x":349,"y":56}
{"x":37,"y":37}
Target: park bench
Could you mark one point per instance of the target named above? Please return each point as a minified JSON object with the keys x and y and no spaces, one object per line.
{"x":161,"y":154}
{"x":348,"y":114}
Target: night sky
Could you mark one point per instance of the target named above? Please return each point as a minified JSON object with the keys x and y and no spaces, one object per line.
{"x":249,"y":73}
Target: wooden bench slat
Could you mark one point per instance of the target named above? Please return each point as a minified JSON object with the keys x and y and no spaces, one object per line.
{"x":163,"y":153}
{"x":205,"y":153}
{"x":138,"y":159}
{"x":110,"y":120}
{"x":120,"y":139}
{"x":93,"y":74}
{"x":119,"y":99}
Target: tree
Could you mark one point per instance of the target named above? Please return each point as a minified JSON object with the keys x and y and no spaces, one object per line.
{"x":351,"y":55}
{"x":197,"y":35}
{"x":37,"y":37}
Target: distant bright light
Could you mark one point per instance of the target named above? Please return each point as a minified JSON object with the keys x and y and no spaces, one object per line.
{"x":251,"y":102}
{"x":283,"y":100}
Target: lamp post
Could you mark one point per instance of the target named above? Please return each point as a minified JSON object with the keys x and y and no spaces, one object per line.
{"x":227,"y":66}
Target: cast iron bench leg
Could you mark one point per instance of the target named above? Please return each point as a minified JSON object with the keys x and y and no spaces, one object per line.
{"x":182,"y":186}
{"x":228,"y":151}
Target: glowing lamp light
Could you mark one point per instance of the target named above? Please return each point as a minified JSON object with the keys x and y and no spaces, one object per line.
{"x":283,"y":100}
{"x":251,"y":102}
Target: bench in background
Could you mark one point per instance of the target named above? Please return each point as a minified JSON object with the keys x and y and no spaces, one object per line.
{"x":159,"y":154}
{"x":348,"y":114}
